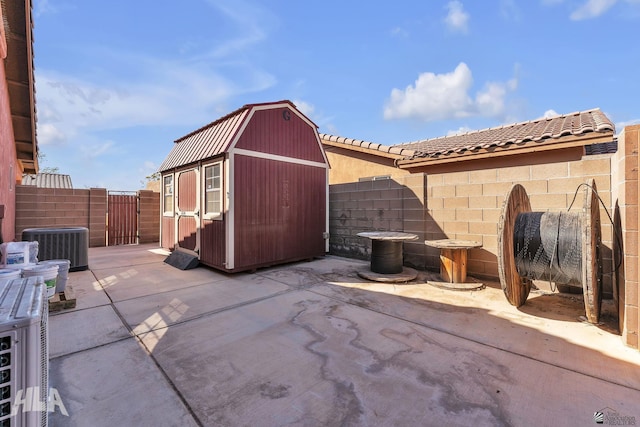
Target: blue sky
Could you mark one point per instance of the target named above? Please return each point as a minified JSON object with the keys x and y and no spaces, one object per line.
{"x":118,"y":81}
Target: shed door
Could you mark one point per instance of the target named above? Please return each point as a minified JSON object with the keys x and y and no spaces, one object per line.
{"x":188,"y":211}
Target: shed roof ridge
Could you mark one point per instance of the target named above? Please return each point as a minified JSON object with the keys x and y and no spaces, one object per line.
{"x":230,"y":115}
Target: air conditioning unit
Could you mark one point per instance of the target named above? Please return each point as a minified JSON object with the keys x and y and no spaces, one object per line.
{"x":70,"y":243}
{"x":24,"y":353}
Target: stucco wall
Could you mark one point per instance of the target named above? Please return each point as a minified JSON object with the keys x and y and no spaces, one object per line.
{"x":8,"y":162}
{"x":349,"y":166}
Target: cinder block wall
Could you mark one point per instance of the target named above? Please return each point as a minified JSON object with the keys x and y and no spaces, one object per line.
{"x":59,"y":207}
{"x":149,"y":217}
{"x":467,"y":204}
{"x":464,"y":201}
{"x":625,"y":193}
{"x":385,"y":205}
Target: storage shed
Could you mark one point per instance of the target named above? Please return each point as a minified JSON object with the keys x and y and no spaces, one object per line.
{"x":248,"y":190}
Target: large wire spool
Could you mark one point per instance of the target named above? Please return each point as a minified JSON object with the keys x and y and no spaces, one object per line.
{"x":515,"y":287}
{"x":560,"y":247}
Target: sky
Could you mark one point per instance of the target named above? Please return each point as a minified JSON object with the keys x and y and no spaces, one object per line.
{"x":118,"y":81}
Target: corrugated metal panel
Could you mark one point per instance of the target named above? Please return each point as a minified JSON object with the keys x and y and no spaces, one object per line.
{"x":213,"y":243}
{"x":205,"y":142}
{"x":282,"y":132}
{"x":279,"y":211}
{"x":47,"y":180}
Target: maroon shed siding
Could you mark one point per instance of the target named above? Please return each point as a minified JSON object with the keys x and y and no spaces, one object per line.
{"x":213,"y":243}
{"x":280,"y":211}
{"x":277,"y":189}
{"x":186,"y":202}
{"x":168,"y":232}
{"x":269,"y":132}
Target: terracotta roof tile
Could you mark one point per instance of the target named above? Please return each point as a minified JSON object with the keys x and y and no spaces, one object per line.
{"x":366,"y":144}
{"x":578,"y":123}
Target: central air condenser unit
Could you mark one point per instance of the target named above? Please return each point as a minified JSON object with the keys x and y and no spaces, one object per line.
{"x":24,"y":354}
{"x":70,"y":243}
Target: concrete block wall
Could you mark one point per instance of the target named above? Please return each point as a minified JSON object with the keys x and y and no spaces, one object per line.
{"x":625,"y":194}
{"x":384,"y":205}
{"x":149,"y":217}
{"x":467,"y":205}
{"x":97,"y":213}
{"x":60,"y":207}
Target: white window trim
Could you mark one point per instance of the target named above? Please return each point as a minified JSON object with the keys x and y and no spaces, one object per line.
{"x":166,"y":212}
{"x":205,"y":214}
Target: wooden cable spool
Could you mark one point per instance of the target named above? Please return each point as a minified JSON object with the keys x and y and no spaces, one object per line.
{"x":515,"y":287}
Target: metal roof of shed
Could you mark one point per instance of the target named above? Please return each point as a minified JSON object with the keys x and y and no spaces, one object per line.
{"x":214,"y":138}
{"x":47,"y":180}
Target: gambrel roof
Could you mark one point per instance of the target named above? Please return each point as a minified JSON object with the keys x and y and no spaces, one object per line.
{"x":217,"y":137}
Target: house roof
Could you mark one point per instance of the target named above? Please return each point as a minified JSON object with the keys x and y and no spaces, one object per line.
{"x":578,"y":126}
{"x":214,"y":138}
{"x":17,"y":26}
{"x":47,"y":180}
{"x":395,"y":152}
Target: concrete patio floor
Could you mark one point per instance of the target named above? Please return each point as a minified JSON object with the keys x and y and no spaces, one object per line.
{"x":312,"y":344}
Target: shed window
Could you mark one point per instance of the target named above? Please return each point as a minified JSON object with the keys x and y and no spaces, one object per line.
{"x":168,"y":194}
{"x":213,"y":189}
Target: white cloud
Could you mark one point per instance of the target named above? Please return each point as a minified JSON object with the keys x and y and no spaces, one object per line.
{"x":306,"y":108}
{"x":93,"y":150}
{"x":549,"y":114}
{"x":312,"y":113}
{"x":49,"y":134}
{"x":136,"y":89}
{"x":76,"y":105}
{"x":41,"y":7}
{"x":457,"y":19}
{"x":592,"y":9}
{"x":399,"y":32}
{"x":446,"y":96}
{"x":622,"y":125}
{"x":251,"y":21}
{"x":460,"y":131}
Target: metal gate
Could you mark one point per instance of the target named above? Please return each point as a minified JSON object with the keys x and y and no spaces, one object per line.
{"x":122,"y":218}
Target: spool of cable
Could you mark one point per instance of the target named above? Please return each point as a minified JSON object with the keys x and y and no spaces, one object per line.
{"x":548,"y":246}
{"x":559,"y":247}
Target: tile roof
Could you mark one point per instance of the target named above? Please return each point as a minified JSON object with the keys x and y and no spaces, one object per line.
{"x":47,"y":180}
{"x":395,"y":150}
{"x":538,"y":131}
